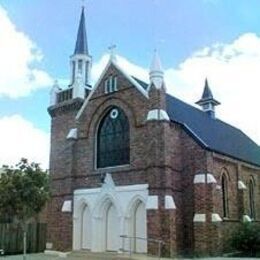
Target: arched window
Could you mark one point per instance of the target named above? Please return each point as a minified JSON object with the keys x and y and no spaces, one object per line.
{"x":224,"y":187}
{"x":251,"y":199}
{"x":113,"y":139}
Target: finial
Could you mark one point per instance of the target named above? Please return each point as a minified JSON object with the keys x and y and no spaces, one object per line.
{"x":83,"y":3}
{"x":112,"y":48}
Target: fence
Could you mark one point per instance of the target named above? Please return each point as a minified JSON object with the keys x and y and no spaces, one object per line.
{"x":11,"y":238}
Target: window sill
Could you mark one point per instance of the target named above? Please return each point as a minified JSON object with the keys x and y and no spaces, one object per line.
{"x":112,"y":168}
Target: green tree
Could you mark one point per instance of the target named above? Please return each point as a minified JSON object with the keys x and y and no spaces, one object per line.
{"x":246,"y":239}
{"x":24,"y":192}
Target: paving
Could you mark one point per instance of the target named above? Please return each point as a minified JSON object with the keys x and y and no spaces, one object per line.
{"x":106,"y":256}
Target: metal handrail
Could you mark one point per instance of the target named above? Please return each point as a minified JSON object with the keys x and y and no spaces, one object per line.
{"x":160,"y":243}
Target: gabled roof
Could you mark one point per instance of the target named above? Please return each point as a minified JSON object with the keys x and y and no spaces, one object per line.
{"x":212,"y":134}
{"x":112,"y":62}
{"x":81,"y":46}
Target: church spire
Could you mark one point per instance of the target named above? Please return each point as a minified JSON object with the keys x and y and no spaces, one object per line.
{"x":156,"y":71}
{"x":81,"y":46}
{"x":207,"y":101}
{"x":80,"y":61}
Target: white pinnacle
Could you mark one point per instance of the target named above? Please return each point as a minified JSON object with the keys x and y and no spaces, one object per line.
{"x":156,"y":62}
{"x":156,"y":71}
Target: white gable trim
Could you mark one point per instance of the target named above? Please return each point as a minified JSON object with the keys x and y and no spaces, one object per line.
{"x":132,"y":80}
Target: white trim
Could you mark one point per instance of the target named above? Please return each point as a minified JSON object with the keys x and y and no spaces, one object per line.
{"x":199,"y":218}
{"x":133,"y":81}
{"x":169,"y":202}
{"x":246,"y":218}
{"x":157,"y":114}
{"x":215,"y":217}
{"x":73,"y":134}
{"x":152,"y":202}
{"x":57,"y":253}
{"x":201,"y":178}
{"x":241,"y":185}
{"x":66,"y":207}
{"x":136,"y":187}
{"x":211,"y":178}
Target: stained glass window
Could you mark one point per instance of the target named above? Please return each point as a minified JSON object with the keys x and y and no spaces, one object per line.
{"x":224,"y":186}
{"x":113,"y":139}
{"x":251,"y":199}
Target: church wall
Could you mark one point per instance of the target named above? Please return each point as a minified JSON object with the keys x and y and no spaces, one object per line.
{"x":238,"y":199}
{"x":193,"y":162}
{"x":61,"y":165}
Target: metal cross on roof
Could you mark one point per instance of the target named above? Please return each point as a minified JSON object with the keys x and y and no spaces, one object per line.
{"x":112,"y":48}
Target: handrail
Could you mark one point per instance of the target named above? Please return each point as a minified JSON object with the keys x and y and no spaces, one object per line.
{"x":160,"y":243}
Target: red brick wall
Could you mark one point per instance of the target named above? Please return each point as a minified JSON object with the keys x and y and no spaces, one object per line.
{"x":162,"y":154}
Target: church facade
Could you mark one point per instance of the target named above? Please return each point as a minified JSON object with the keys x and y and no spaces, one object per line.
{"x":133,"y":168}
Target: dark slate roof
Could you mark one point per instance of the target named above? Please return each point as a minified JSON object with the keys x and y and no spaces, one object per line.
{"x":81,"y":46}
{"x":143,"y":84}
{"x":212,"y":134}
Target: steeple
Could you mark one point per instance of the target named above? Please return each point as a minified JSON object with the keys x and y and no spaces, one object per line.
{"x":81,"y":46}
{"x":156,"y":71}
{"x":207,"y":101}
{"x":80,"y":61}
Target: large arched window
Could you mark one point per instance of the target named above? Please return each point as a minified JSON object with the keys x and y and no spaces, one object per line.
{"x":224,"y":188}
{"x":113,"y":139}
{"x":251,"y":199}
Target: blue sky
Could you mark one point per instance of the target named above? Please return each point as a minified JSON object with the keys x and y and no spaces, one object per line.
{"x":215,"y":38}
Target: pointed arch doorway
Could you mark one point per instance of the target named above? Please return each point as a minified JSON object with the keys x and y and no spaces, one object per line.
{"x":86,"y":228}
{"x":111,"y":228}
{"x":138,"y":230}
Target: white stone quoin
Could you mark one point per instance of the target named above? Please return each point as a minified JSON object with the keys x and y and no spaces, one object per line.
{"x":157,"y":114}
{"x":199,"y":218}
{"x":215,"y":217}
{"x":73,"y":134}
{"x":169,"y":202}
{"x":241,"y":185}
{"x":201,"y":178}
{"x":66,"y":207}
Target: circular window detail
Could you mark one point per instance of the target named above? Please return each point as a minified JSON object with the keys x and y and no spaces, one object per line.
{"x":114,"y":113}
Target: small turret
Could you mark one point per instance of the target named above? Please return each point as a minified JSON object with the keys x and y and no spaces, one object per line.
{"x":207,"y":101}
{"x":156,"y":72}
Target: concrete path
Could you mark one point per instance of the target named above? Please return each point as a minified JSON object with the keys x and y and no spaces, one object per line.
{"x":91,"y":256}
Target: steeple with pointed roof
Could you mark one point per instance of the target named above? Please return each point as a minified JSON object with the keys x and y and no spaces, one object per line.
{"x":81,"y":46}
{"x":156,"y":71}
{"x":207,"y":101}
{"x":80,"y":61}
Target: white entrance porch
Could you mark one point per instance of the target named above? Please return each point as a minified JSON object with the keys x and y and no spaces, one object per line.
{"x":102,"y":215}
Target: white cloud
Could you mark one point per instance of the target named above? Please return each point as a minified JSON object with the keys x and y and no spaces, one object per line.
{"x":18,"y":53}
{"x":233,"y":71}
{"x":20,"y":138}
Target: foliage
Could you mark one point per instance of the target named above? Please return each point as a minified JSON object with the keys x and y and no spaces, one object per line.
{"x":24,"y":191}
{"x":246,"y":239}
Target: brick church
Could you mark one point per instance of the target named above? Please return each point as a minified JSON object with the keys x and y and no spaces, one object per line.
{"x":131,"y":165}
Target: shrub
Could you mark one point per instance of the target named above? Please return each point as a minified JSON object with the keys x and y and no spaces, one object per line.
{"x":246,"y":239}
